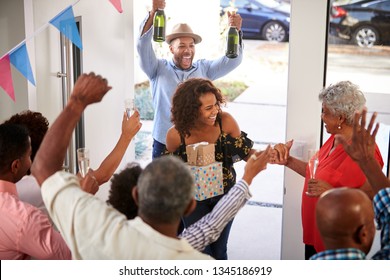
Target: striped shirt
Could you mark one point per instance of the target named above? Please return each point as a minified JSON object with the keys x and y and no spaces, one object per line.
{"x":208,"y":229}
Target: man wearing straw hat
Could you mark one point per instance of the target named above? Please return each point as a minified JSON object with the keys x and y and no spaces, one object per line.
{"x":165,"y":75}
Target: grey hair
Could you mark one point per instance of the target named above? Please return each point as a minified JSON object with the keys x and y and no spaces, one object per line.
{"x":165,"y":189}
{"x":343,"y":99}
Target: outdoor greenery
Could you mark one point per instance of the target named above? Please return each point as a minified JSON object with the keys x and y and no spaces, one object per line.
{"x":143,"y":100}
{"x":140,"y":143}
{"x":143,"y":97}
{"x":230,"y":89}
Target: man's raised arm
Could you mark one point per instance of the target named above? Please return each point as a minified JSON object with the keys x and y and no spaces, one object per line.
{"x":89,"y":88}
{"x":362,"y":148}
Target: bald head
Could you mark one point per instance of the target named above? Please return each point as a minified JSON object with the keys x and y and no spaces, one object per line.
{"x":345,"y":219}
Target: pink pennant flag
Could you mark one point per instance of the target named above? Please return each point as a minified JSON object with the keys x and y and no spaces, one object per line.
{"x":6,"y":77}
{"x":117,"y":4}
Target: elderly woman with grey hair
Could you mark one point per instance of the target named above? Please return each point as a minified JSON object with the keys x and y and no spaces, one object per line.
{"x":335,"y":168}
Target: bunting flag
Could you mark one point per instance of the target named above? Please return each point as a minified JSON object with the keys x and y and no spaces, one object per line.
{"x":66,"y":24}
{"x":117,"y":4}
{"x":6,"y":77}
{"x":19,"y":58}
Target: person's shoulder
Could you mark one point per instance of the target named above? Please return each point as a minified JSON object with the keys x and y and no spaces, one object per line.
{"x":225,"y":116}
{"x":172,"y":132}
{"x":229,"y":124}
{"x":173,"y":139}
{"x":28,"y":214}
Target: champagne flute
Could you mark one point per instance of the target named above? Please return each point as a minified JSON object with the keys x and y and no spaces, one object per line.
{"x":83,"y":161}
{"x":313,"y":164}
{"x":129,"y":107}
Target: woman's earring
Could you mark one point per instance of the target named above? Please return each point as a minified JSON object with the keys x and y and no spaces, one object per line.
{"x":339,"y":127}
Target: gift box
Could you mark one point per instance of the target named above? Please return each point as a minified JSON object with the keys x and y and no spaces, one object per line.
{"x":200,"y":154}
{"x":208,"y":180}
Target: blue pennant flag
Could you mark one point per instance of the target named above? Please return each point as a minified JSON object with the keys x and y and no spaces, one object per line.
{"x":19,"y":58}
{"x":66,"y":24}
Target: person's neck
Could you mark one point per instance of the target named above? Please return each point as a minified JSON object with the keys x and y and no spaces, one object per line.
{"x":181,"y":68}
{"x":167,"y":229}
{"x":204,"y":132}
{"x":346,"y":132}
{"x":201,"y":127}
{"x":8,"y":177}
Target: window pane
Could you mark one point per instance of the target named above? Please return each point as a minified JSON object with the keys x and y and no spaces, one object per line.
{"x":359,"y":51}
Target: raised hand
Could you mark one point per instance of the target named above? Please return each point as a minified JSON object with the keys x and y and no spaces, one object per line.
{"x":158,"y":4}
{"x":362,"y":146}
{"x":234,"y":20}
{"x":89,"y":88}
{"x":362,"y":150}
{"x":130,"y":126}
{"x":89,"y":183}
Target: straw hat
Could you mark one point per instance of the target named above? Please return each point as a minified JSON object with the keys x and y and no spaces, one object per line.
{"x":182,"y":30}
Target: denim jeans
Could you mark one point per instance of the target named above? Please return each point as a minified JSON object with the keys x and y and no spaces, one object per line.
{"x":158,"y":149}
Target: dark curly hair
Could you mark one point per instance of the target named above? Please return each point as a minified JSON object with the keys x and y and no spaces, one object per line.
{"x":186,"y":103}
{"x":36,"y":124}
{"x":120,"y":192}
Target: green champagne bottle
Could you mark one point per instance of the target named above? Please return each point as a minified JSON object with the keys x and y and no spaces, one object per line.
{"x":232,"y":42}
{"x":159,"y":26}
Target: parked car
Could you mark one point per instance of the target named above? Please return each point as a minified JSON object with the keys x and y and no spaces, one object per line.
{"x":365,"y":23}
{"x":262,"y":19}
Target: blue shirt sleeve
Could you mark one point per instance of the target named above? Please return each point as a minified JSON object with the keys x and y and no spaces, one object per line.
{"x":147,"y":57}
{"x":382,"y":215}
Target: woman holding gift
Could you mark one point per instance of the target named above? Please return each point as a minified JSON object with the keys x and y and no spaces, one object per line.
{"x":197,"y":117}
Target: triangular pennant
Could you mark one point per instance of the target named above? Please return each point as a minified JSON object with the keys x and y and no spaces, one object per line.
{"x":6,"y":76}
{"x":117,"y":4}
{"x":66,"y":24}
{"x":19,"y":58}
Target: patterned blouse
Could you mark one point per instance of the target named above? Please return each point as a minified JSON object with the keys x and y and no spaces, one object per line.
{"x":228,"y":150}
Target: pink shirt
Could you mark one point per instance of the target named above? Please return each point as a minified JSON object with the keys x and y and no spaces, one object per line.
{"x":26,"y":231}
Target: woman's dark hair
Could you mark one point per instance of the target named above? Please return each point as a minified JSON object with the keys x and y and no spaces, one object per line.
{"x":186,"y":103}
{"x":120,"y":192}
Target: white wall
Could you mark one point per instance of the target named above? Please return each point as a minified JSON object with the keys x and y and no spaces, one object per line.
{"x":107,"y":38}
{"x":306,"y":72}
{"x":11,"y":34}
{"x":108,"y":42}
